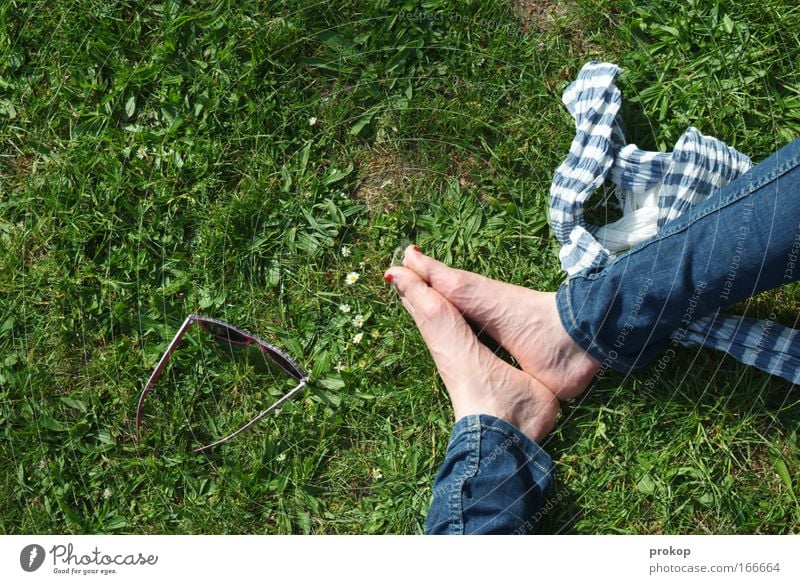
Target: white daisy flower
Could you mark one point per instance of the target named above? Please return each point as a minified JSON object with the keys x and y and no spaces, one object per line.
{"x":352,"y":278}
{"x":141,"y":152}
{"x":376,"y":474}
{"x":357,"y":338}
{"x":345,"y":308}
{"x":346,"y":252}
{"x":358,"y":321}
{"x":312,"y":121}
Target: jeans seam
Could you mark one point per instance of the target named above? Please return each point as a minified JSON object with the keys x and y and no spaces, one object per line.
{"x":581,"y":339}
{"x":473,"y":436}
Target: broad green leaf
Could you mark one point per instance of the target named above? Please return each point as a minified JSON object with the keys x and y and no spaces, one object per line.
{"x":783,"y":472}
{"x":105,"y":437}
{"x":115,"y":523}
{"x":727,"y":24}
{"x":335,"y":175}
{"x":362,"y":122}
{"x":326,"y":397}
{"x":332,"y":383}
{"x":74,"y":403}
{"x":646,"y":485}
{"x":130,"y":106}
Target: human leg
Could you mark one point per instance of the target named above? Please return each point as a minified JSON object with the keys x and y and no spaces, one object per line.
{"x":623,"y":314}
{"x":495,"y":475}
{"x":734,"y":245}
{"x":493,"y":481}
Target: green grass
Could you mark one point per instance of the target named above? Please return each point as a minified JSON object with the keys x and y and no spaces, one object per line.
{"x":443,"y":131}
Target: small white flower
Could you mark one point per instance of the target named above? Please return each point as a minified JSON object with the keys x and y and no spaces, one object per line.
{"x":107,"y":493}
{"x":376,"y":474}
{"x":352,"y":278}
{"x":357,"y":338}
{"x":281,"y":457}
{"x":358,"y":321}
{"x":345,"y":308}
{"x":340,"y":367}
{"x":312,"y":121}
{"x":346,"y":252}
{"x":141,"y":152}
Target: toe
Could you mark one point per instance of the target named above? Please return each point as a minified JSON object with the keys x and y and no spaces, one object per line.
{"x":448,"y":281}
{"x":433,"y":314}
{"x":418,"y":298}
{"x":414,"y":259}
{"x":406,"y":281}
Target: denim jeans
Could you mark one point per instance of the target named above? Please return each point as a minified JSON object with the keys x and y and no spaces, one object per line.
{"x":738,"y":242}
{"x":493,"y":480}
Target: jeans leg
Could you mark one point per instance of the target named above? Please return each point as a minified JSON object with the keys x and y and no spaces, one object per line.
{"x":737,"y":243}
{"x":493,"y":481}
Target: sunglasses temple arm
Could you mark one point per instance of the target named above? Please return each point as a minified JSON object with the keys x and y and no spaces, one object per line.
{"x":157,"y":372}
{"x":270,"y":409}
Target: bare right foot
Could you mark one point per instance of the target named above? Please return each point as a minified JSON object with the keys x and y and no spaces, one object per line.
{"x":477,"y":380}
{"x":524,"y":321}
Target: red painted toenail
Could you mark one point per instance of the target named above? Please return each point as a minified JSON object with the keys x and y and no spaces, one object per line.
{"x":416,"y":249}
{"x":388,"y":278}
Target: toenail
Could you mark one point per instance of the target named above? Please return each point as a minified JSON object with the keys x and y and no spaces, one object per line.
{"x":416,"y":249}
{"x":388,"y":278}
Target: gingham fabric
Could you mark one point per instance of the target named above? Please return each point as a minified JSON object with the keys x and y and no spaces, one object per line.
{"x":652,"y":188}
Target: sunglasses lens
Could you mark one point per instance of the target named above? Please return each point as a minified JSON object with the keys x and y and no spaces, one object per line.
{"x":216,"y":381}
{"x":224,"y":333}
{"x":238,"y":344}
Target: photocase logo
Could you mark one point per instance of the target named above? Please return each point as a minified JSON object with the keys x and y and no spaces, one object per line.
{"x":31,"y":557}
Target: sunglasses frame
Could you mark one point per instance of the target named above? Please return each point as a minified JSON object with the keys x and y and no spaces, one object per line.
{"x":289,"y":366}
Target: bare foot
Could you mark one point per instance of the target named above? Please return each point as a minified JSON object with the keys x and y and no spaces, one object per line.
{"x":478,"y":381}
{"x":522,"y":320}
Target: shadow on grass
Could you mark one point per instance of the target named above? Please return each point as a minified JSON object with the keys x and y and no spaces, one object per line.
{"x":684,"y":456}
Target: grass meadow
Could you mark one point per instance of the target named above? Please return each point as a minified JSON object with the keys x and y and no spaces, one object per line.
{"x":238,"y":159}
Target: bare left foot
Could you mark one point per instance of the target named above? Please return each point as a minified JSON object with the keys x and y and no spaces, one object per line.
{"x":477,"y":381}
